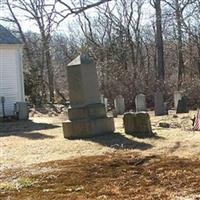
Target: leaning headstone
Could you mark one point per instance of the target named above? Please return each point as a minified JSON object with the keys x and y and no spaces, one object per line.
{"x":87,"y":115}
{"x":119,"y":104}
{"x":159,"y":104}
{"x":182,"y":105}
{"x":138,"y":124}
{"x":140,"y":103}
{"x":177,"y":96}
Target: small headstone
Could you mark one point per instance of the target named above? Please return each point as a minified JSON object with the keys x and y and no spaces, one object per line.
{"x":159,"y":104}
{"x":119,"y":105}
{"x":177,"y":96}
{"x":140,"y":103}
{"x":104,"y":101}
{"x":138,"y":124}
{"x":106,"y":104}
{"x":102,"y":98}
{"x":182,"y":105}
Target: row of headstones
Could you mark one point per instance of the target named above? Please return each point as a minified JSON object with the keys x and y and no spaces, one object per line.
{"x":180,"y":103}
{"x":161,"y":108}
{"x":118,"y":103}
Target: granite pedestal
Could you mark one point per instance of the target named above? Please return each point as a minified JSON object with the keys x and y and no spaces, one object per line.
{"x":87,"y":115}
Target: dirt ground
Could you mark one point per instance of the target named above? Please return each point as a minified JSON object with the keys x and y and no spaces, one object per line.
{"x":36,"y":162}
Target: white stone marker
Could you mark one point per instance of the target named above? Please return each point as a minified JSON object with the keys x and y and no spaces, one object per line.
{"x":140,"y":103}
{"x":177,"y":96}
{"x":102,"y":98}
{"x":104,"y":101}
{"x":119,"y":104}
{"x":106,"y":104}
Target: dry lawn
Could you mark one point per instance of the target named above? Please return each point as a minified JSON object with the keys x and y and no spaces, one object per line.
{"x":36,"y":162}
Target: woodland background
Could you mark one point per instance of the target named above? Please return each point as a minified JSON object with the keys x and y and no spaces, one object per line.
{"x":140,"y":46}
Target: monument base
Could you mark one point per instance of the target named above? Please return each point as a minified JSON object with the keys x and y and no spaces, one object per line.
{"x":88,"y":127}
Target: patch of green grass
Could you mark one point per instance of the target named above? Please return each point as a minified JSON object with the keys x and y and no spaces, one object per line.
{"x":24,"y":182}
{"x":19,"y":183}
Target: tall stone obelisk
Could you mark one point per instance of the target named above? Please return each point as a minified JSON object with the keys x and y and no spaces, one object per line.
{"x":87,"y":115}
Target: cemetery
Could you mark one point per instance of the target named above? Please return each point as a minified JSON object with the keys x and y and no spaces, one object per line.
{"x":128,"y":153}
{"x":109,"y":166}
{"x":99,"y":100}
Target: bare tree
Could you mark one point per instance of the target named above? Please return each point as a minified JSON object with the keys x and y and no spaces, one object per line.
{"x":43,"y":15}
{"x":159,"y":43}
{"x":179,"y":6}
{"x":74,"y":8}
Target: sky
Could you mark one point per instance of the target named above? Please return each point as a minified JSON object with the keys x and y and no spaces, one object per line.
{"x":29,"y":25}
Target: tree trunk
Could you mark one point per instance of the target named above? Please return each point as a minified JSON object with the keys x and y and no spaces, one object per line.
{"x":181,"y":67}
{"x":49,"y":71}
{"x":159,"y":45}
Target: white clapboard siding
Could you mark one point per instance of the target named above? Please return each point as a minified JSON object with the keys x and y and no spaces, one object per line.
{"x":10,"y":78}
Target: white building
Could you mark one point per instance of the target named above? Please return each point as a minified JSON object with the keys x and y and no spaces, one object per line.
{"x":11,"y":72}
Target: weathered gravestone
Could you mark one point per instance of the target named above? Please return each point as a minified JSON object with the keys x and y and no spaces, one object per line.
{"x":102,"y":98}
{"x":140,"y":103}
{"x":166,"y":108}
{"x":138,"y":124}
{"x":87,"y":115}
{"x":119,"y":104}
{"x":182,"y":105}
{"x":159,"y":104}
{"x":177,"y":96}
{"x":106,"y":104}
{"x":104,"y":101}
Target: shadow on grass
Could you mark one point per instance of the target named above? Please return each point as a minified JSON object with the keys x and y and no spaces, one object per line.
{"x":154,"y":136}
{"x":30,"y":136}
{"x":119,"y":141}
{"x":23,"y":127}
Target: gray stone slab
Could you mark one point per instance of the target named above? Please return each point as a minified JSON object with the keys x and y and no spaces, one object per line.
{"x":106,"y":104}
{"x":177,"y":96}
{"x":91,"y":111}
{"x":87,"y":115}
{"x":104,"y":101}
{"x":82,"y":82}
{"x":140,"y":103}
{"x":119,"y":104}
{"x":138,"y":124}
{"x":182,"y":105}
{"x":88,"y":128}
{"x":166,"y":109}
{"x":159,"y":104}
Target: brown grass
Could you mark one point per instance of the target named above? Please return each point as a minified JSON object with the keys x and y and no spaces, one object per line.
{"x":112,"y":176}
{"x":37,"y":163}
